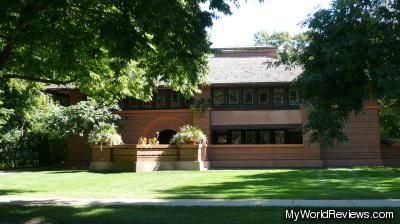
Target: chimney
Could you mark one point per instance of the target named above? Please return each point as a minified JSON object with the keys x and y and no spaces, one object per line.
{"x":241,"y":52}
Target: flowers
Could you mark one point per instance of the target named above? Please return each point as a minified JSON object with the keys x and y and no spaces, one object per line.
{"x":189,"y":134}
{"x":104,"y":133}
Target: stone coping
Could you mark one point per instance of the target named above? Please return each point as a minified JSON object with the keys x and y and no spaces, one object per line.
{"x":157,"y":146}
{"x":257,"y":146}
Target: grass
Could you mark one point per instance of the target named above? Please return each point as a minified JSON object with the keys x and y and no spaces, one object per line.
{"x":330,"y":183}
{"x":163,"y":215}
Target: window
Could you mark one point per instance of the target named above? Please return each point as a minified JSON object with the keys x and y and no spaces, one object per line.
{"x":148,"y":105}
{"x":250,"y":137}
{"x":236,"y":137}
{"x":164,"y":98}
{"x":134,"y":103}
{"x":258,"y":136}
{"x":62,"y":99}
{"x":265,"y":137}
{"x":278,"y":96}
{"x":263,"y":96}
{"x":221,"y":137}
{"x":248,"y":96}
{"x":294,"y":98}
{"x":175,"y":100}
{"x":233,"y":96}
{"x":294,"y":136}
{"x":279,"y":137}
{"x":218,"y":97}
{"x":161,"y":100}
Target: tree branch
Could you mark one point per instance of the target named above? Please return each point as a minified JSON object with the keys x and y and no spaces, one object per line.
{"x":58,"y":82}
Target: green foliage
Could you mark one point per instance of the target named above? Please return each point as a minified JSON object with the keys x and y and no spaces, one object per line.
{"x":200,"y":105}
{"x":104,"y":133}
{"x":63,"y":122}
{"x":351,"y":56}
{"x":389,"y":118}
{"x":20,"y":101}
{"x":289,"y":46}
{"x":276,"y":39}
{"x":107,"y":49}
{"x":35,"y":125}
{"x":189,"y":134}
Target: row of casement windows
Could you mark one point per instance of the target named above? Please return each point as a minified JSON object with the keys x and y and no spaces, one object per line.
{"x":254,"y":96}
{"x":163,"y":99}
{"x":280,"y":136}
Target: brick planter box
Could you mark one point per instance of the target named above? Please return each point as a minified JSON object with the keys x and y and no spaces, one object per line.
{"x":144,"y":158}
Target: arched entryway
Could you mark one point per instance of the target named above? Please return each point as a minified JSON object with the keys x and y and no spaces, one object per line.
{"x":165,"y":136}
{"x":160,"y":124}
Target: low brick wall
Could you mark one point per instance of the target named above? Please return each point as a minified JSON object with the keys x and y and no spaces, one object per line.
{"x":260,"y":155}
{"x":141,"y":158}
{"x":391,"y":154}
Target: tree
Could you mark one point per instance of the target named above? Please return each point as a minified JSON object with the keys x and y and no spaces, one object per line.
{"x":276,"y":39}
{"x":289,"y":46}
{"x":37,"y":127}
{"x":352,"y":56}
{"x":107,"y":49}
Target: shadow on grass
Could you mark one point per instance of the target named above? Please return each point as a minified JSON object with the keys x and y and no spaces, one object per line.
{"x":4,"y":192}
{"x":66,"y":171}
{"x":371,"y":183}
{"x":157,"y":214}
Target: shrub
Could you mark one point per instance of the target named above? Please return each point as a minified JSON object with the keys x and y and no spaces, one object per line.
{"x":189,"y":134}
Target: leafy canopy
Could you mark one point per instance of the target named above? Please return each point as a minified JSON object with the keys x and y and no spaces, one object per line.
{"x":289,"y":46}
{"x":107,"y":49}
{"x":351,"y":57}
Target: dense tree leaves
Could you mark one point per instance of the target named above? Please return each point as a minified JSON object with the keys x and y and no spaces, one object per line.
{"x":352,"y":56}
{"x":37,"y":123}
{"x":289,"y":46}
{"x":107,"y":49}
{"x":389,"y":117}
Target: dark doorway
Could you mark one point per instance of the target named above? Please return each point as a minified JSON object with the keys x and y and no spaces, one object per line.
{"x":165,"y":136}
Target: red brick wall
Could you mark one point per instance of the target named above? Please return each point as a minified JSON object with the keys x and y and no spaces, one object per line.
{"x":391,"y":154}
{"x":203,"y":120}
{"x":78,"y":152}
{"x":363,"y":146}
{"x":145,"y":123}
{"x":263,"y":156}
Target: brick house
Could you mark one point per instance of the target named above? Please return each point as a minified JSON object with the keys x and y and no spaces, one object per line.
{"x":253,"y":120}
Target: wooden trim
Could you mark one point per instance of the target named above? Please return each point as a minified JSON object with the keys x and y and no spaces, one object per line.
{"x":158,"y":146}
{"x":256,"y":146}
{"x":135,"y":146}
{"x":152,"y":111}
{"x":372,"y":107}
{"x":394,"y":145}
{"x":256,"y":126}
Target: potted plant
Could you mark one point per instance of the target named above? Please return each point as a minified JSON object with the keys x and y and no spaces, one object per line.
{"x":191,"y":143}
{"x":189,"y":134}
{"x":104,"y":133}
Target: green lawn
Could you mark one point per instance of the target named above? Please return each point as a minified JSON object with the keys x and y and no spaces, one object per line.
{"x":163,"y":215}
{"x":332,"y":183}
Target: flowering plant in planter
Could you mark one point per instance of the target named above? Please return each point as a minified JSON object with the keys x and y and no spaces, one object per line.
{"x":104,"y":134}
{"x":189,"y":134}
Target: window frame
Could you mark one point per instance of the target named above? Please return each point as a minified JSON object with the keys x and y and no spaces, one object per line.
{"x":229,"y":96}
{"x":252,"y":96}
{"x":282,"y":96}
{"x":215,"y":95}
{"x":297,"y":101}
{"x":266,"y":98}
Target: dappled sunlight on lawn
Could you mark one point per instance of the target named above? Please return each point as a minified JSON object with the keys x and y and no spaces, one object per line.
{"x":299,"y":183}
{"x":328,"y":183}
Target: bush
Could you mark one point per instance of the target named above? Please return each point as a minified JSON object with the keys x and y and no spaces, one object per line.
{"x":189,"y":134}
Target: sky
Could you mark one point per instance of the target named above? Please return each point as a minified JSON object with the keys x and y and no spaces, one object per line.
{"x":252,"y":16}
